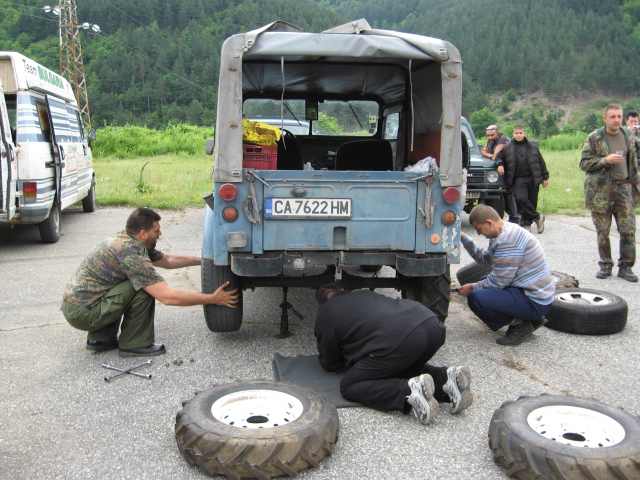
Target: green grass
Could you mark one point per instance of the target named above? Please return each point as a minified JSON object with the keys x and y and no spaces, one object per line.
{"x":565,"y":194}
{"x":167,"y":181}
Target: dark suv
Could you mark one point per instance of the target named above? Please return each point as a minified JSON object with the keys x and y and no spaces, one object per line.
{"x":484,"y":185}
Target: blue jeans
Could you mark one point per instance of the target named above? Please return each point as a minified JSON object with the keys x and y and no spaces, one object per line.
{"x":498,"y":308}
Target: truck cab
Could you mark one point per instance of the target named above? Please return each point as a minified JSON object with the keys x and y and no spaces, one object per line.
{"x":374,"y":180}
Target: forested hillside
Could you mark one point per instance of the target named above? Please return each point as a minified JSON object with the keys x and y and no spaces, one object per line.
{"x":155,"y":62}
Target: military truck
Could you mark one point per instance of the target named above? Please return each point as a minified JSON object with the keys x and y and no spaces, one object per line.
{"x":374,"y":181}
{"x":484,"y":185}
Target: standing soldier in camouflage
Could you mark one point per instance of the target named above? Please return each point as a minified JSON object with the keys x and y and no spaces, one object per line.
{"x":609,"y":160}
{"x":117,"y":282}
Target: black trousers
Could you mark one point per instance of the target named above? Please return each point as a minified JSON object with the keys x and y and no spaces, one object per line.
{"x":381,"y":382}
{"x":526,"y":195}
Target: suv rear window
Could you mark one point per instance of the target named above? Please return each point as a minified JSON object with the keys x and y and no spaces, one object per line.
{"x":352,"y":118}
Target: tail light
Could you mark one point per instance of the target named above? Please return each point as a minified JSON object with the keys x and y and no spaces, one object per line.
{"x":448,"y":217}
{"x":230,"y":214}
{"x":29,"y":191}
{"x":228,"y":192}
{"x":451,"y":195}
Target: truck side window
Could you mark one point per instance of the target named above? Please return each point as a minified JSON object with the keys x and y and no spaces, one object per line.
{"x":391,"y":124}
{"x":43,"y":118}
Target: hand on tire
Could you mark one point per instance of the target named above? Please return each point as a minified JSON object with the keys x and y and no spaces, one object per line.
{"x":223,"y":297}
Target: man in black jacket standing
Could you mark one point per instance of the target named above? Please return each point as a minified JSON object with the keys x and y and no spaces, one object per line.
{"x":521,"y":162}
{"x":385,"y":343}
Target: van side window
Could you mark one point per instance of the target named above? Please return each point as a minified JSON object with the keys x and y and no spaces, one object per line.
{"x":75,"y":122}
{"x":43,"y":119}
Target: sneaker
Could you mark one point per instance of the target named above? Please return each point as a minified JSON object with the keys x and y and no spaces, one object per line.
{"x":540,"y":223}
{"x":425,"y":407}
{"x":457,"y":387}
{"x":538,"y":323}
{"x":626,"y":273}
{"x":604,"y":272}
{"x":516,"y":334}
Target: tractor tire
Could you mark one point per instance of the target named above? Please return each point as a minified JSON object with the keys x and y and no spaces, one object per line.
{"x":587,"y":312}
{"x":258,"y":429}
{"x":220,"y":318}
{"x":565,"y":438}
{"x":433,"y":292}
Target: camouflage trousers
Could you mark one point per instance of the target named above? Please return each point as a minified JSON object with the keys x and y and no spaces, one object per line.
{"x":123,"y":308}
{"x":622,"y":208}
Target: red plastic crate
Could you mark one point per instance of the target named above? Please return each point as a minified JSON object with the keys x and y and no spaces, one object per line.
{"x":260,"y":157}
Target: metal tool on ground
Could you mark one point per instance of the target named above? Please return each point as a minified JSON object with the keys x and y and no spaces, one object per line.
{"x":128,"y":371}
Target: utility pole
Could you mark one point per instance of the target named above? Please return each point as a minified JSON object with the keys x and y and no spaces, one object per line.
{"x":71,"y":63}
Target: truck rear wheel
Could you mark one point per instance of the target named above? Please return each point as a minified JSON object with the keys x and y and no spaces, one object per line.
{"x":433,"y":292}
{"x":50,"y":228}
{"x":219,"y":318}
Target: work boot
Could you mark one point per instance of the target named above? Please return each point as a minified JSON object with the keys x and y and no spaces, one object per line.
{"x":538,"y":323}
{"x":625,"y":272}
{"x":425,"y":407}
{"x":605,"y":272}
{"x":540,"y":223}
{"x":526,"y":227}
{"x":457,"y":387}
{"x":516,"y":334}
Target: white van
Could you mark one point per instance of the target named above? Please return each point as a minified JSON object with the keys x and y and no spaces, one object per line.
{"x":46,"y":162}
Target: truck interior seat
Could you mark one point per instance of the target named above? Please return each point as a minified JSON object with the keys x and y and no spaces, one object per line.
{"x":364,"y":155}
{"x":290,"y":153}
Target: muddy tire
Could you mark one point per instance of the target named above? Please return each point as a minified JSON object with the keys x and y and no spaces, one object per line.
{"x":587,"y":312}
{"x":89,"y":202}
{"x":565,"y":438}
{"x":220,"y":318}
{"x":472,"y":272}
{"x":564,"y":281}
{"x":433,"y":292}
{"x":50,"y":228}
{"x":256,"y":429}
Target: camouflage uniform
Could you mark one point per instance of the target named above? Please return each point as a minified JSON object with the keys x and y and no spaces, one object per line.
{"x":607,"y":198}
{"x":108,"y":286}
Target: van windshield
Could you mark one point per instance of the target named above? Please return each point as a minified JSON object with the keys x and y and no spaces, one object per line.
{"x":334,"y":117}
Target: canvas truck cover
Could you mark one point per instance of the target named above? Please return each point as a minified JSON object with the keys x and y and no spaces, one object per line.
{"x":277,"y":58}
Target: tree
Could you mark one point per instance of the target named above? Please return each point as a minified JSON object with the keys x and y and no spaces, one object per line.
{"x":481,"y":119}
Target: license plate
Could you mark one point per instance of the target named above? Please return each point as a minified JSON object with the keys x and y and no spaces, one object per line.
{"x":307,"y":208}
{"x":473,"y":194}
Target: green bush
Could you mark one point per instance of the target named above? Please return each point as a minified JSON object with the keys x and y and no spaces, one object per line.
{"x":564,"y":142}
{"x":132,"y":141}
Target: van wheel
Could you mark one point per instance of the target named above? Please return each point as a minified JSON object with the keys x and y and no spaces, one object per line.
{"x":220,"y":318}
{"x":50,"y":228}
{"x":587,"y":312}
{"x":89,"y":202}
{"x":565,"y":438}
{"x":433,"y":292}
{"x":258,"y":429}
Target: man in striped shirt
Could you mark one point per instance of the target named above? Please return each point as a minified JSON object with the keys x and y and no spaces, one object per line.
{"x":519,"y":291}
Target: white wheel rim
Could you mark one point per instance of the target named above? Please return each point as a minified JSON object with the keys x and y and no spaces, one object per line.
{"x":257,"y":409}
{"x":576,"y":426}
{"x":583,"y":298}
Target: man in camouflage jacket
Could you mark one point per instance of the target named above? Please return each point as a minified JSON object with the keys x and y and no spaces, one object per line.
{"x":609,"y":160}
{"x":116,"y":287}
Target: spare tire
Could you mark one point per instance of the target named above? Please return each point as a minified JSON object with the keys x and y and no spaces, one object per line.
{"x":472,"y":272}
{"x":565,"y":438}
{"x":564,"y":281}
{"x":587,"y":312}
{"x":258,"y":429}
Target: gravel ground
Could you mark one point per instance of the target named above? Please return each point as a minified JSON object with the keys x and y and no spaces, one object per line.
{"x":63,"y":421}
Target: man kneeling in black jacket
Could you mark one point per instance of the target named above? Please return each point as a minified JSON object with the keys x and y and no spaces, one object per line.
{"x":385,"y":343}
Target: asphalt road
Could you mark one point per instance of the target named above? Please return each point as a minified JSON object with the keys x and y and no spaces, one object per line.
{"x":61,"y":420}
